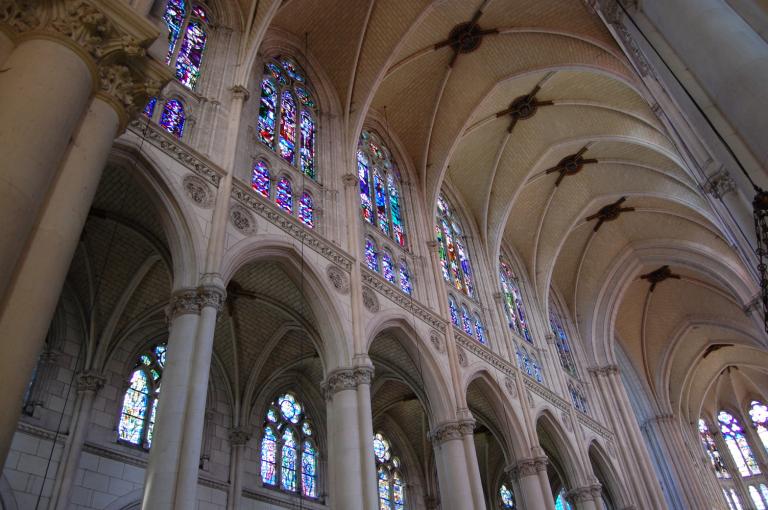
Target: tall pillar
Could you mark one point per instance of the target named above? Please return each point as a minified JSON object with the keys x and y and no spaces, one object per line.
{"x":238,"y":438}
{"x":165,"y":455}
{"x":364,"y":377}
{"x":546,"y":489}
{"x":88,"y":384}
{"x":583,"y":498}
{"x":525,"y":473}
{"x":467,"y":428}
{"x":344,"y":455}
{"x":452,"y":469}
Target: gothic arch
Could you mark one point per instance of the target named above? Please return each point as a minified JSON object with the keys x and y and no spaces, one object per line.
{"x":560,"y":449}
{"x":606,"y":473}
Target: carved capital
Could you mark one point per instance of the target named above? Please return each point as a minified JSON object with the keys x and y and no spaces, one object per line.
{"x":605,"y":371}
{"x":183,"y":302}
{"x":212,"y":296}
{"x":523,"y":468}
{"x":550,"y":338}
{"x":596,"y":490}
{"x":240,"y":92}
{"x":238,"y":436}
{"x":580,"y":495}
{"x":340,"y":380}
{"x":363,"y":375}
{"x":541,"y":463}
{"x":90,"y":381}
{"x":452,"y":430}
{"x":349,"y":180}
{"x":719,"y":184}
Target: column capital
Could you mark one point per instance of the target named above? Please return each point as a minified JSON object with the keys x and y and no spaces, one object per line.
{"x":349,"y":180}
{"x":240,"y":92}
{"x":453,"y":430}
{"x":604,"y":371}
{"x":523,"y":468}
{"x":183,"y":302}
{"x":541,"y":463}
{"x":580,"y":494}
{"x":238,"y":436}
{"x":90,"y":381}
{"x":346,"y":379}
{"x":212,"y":296}
{"x":597,"y":491}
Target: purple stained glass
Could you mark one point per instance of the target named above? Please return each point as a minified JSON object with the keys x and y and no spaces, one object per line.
{"x":172,"y":118}
{"x":149,"y":109}
{"x":267,"y":108}
{"x":380,"y":196}
{"x":711,"y":448}
{"x":758,"y":413}
{"x":387,"y":268}
{"x":405,"y":278}
{"x":260,"y":178}
{"x":733,"y":434}
{"x":383,"y":481}
{"x":288,"y":461}
{"x":287,"y":143}
{"x":466,"y":321}
{"x":283,"y":195}
{"x":453,"y":255}
{"x":199,"y":12}
{"x":398,"y":229}
{"x":305,"y":97}
{"x":276,"y":73}
{"x":398,"y":492}
{"x":309,"y":470}
{"x":365,"y":189}
{"x":268,"y":457}
{"x":134,"y":412}
{"x":479,"y":330}
{"x":307,"y":150}
{"x":293,"y":69}
{"x":513,"y":302}
{"x":371,"y":257}
{"x":306,"y":210}
{"x":175,"y":11}
{"x":561,"y":340}
{"x":191,"y":55}
{"x":454,"y":312}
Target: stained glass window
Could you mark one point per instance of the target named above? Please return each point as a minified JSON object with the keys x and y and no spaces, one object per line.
{"x":737,"y":444}
{"x":172,"y":118}
{"x":288,"y":457}
{"x":391,"y":487}
{"x":756,"y":499}
{"x":453,"y":255}
{"x":513,"y":302}
{"x":137,"y":416}
{"x":466,"y":321}
{"x":507,"y":498}
{"x":758,"y":412}
{"x":529,"y":364}
{"x":371,"y":257}
{"x":578,"y":398}
{"x":561,"y":503}
{"x":405,"y":278}
{"x":735,"y":499}
{"x":380,"y":187}
{"x":187,"y":56}
{"x":561,"y":337}
{"x":306,"y":210}
{"x":764,"y":491}
{"x":149,"y":109}
{"x":479,"y":330}
{"x":260,"y":178}
{"x":728,"y":500}
{"x":387,"y":267}
{"x":284,"y":79}
{"x":714,"y":455}
{"x":454,"y":311}
{"x":284,"y":195}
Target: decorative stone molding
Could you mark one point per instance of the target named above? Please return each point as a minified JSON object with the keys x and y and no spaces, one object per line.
{"x":90,"y":381}
{"x":198,"y":191}
{"x":566,"y":417}
{"x":550,"y":338}
{"x":451,"y":431}
{"x":339,"y":278}
{"x":511,"y":387}
{"x":597,"y":491}
{"x":238,"y":436}
{"x":346,"y":379}
{"x":463,"y":361}
{"x":580,"y":495}
{"x":437,"y":341}
{"x":614,"y":15}
{"x":240,"y":92}
{"x":541,"y":463}
{"x":719,"y":184}
{"x":183,"y":302}
{"x":370,"y":301}
{"x":242,"y":219}
{"x":605,"y":371}
{"x":211,"y":296}
{"x":400,"y":298}
{"x":483,"y":352}
{"x":49,"y":356}
{"x":363,"y":375}
{"x":523,"y":468}
{"x":546,"y":394}
{"x":594,"y":426}
{"x":349,"y":180}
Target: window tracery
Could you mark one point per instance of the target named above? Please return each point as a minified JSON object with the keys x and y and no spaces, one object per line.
{"x":738,"y":447}
{"x":714,"y":455}
{"x":561,"y":337}
{"x":137,"y":415}
{"x":172,"y":118}
{"x":383,"y":262}
{"x":391,"y":486}
{"x":529,"y":364}
{"x":260,"y":178}
{"x":187,"y":56}
{"x":284,"y":195}
{"x":306,"y":210}
{"x":286,"y":102}
{"x":758,"y":413}
{"x":261,"y":182}
{"x":289,"y":456}
{"x":513,"y":301}
{"x":454,"y":259}
{"x":578,"y":398}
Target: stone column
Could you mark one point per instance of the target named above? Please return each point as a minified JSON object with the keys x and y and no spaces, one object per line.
{"x":364,"y":377}
{"x":344,"y":445}
{"x":546,"y":490}
{"x":211,"y":299}
{"x":452,"y":469}
{"x":88,"y":384}
{"x":164,"y":457}
{"x":583,"y":497}
{"x":467,"y":429}
{"x":238,"y":438}
{"x":525,"y":473}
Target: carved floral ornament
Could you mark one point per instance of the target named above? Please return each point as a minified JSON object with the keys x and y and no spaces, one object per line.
{"x":437,"y":341}
{"x":198,"y":191}
{"x":346,"y":379}
{"x":90,"y":381}
{"x":523,"y":468}
{"x":338,"y":278}
{"x":192,"y":301}
{"x":451,"y":431}
{"x":111,"y":43}
{"x":239,"y":436}
{"x":242,"y":219}
{"x":370,"y":300}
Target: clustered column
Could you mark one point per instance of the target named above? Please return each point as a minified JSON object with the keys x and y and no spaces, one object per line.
{"x":527,"y":479}
{"x":55,"y":135}
{"x":453,"y":470}
{"x":586,"y":498}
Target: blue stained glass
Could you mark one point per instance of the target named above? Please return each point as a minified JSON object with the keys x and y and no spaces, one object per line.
{"x":398,"y":492}
{"x":151,"y":425}
{"x":267,"y":107}
{"x":405,"y":278}
{"x":394,"y":206}
{"x":293,"y":69}
{"x":479,"y":330}
{"x":149,"y":109}
{"x":711,"y":448}
{"x":191,"y":55}
{"x":758,"y":413}
{"x":371,"y":258}
{"x":507,"y":498}
{"x":172,"y":118}
{"x":272,"y":415}
{"x":276,"y":73}
{"x":453,"y":255}
{"x":289,"y":408}
{"x":287,"y":142}
{"x":306,"y":210}
{"x":306,"y":429}
{"x":528,"y":364}
{"x":175,"y":11}
{"x":513,"y":302}
{"x":561,"y":503}
{"x":466,"y":321}
{"x":561,"y":340}
{"x":383,"y":480}
{"x":381,"y":448}
{"x":268,"y":456}
{"x":442,"y":253}
{"x":260,"y":178}
{"x":469,"y":289}
{"x":305,"y":97}
{"x":288,"y":461}
{"x":160,"y":351}
{"x":134,"y":411}
{"x":365,"y":190}
{"x":387,"y":268}
{"x":733,"y":434}
{"x":454,"y":312}
{"x":284,"y":196}
{"x":309,"y":470}
{"x":307,"y":150}
{"x":453,"y":263}
{"x":381,"y":202}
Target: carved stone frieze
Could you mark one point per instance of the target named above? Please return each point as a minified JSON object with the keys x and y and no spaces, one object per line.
{"x":511,"y":387}
{"x":541,"y":463}
{"x":210,"y":296}
{"x":370,"y":301}
{"x":437,"y":341}
{"x":483,"y":352}
{"x":238,"y":436}
{"x":580,"y":495}
{"x":242,"y":219}
{"x":719,"y":184}
{"x":339,"y":278}
{"x":198,"y":191}
{"x":346,"y":379}
{"x":463,"y":361}
{"x":523,"y":468}
{"x":90,"y":381}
